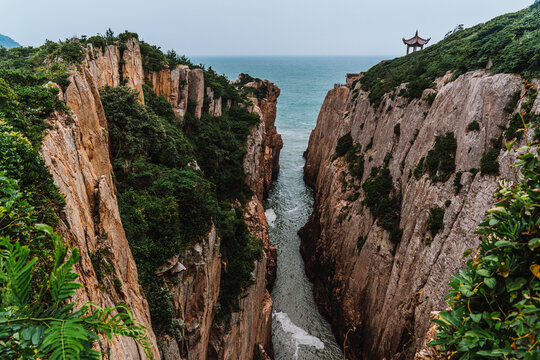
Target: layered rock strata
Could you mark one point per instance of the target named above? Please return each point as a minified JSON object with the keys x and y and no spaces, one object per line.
{"x":379,"y":295}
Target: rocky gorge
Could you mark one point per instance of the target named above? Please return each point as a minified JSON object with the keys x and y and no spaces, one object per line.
{"x":76,"y":150}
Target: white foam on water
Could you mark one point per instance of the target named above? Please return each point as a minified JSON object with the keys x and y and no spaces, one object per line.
{"x":298,"y":335}
{"x":270,"y":217}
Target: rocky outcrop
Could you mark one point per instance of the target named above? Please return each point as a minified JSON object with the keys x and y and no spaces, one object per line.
{"x":264,"y":168}
{"x":179,"y":86}
{"x":132,"y":70}
{"x":76,"y":151}
{"x":261,"y":162}
{"x":193,"y":279}
{"x":379,"y":293}
{"x":196,"y":90}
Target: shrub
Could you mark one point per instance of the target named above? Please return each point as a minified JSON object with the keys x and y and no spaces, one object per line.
{"x":489,"y":163}
{"x":397,"y":129}
{"x":153,"y":58}
{"x":447,"y":203}
{"x":370,"y":145}
{"x":457,"y":182}
{"x":512,"y":102}
{"x":382,"y":201}
{"x":440,"y":162}
{"x":360,"y":242}
{"x":430,"y":98}
{"x":473,"y":126}
{"x":387,"y":158}
{"x":344,"y":144}
{"x":435,"y":220}
{"x":167,"y":205}
{"x":524,"y":116}
{"x":419,"y":169}
{"x":494,"y":300}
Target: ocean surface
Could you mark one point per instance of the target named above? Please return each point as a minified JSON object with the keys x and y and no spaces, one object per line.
{"x":299,"y":330}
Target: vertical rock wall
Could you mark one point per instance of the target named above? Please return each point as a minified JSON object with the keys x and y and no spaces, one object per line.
{"x":382,"y":294}
{"x":76,"y":150}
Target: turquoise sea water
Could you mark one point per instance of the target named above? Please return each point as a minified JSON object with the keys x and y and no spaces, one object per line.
{"x":299,"y":331}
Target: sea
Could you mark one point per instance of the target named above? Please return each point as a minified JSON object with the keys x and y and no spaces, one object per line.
{"x":299,"y":331}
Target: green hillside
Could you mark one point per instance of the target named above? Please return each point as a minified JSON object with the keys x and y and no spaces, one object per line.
{"x":511,"y":42}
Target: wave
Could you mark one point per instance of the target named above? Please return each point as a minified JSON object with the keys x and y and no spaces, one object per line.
{"x":298,"y":335}
{"x":270,"y":217}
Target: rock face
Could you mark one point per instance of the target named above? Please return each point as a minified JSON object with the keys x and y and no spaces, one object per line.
{"x":181,"y":85}
{"x":382,"y":294}
{"x":77,"y":153}
{"x":261,"y":163}
{"x":263,"y":169}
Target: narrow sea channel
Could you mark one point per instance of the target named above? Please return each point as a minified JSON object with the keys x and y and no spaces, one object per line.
{"x":299,"y":330}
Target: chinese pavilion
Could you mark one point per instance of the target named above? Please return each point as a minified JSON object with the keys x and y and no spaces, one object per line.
{"x":415,"y":42}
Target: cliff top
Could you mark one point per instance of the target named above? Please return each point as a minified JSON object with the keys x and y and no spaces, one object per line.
{"x":507,"y":44}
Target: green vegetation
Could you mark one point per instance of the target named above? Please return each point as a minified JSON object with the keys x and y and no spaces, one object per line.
{"x":344,"y":144}
{"x":494,"y":305}
{"x":360,"y":242}
{"x":489,"y":163}
{"x":166,"y":204}
{"x":524,"y":116}
{"x":511,"y":42}
{"x":7,"y":42}
{"x":440,"y":161}
{"x":435,"y":220}
{"x":387,"y":158}
{"x":353,"y":155}
{"x":383,"y":202}
{"x":457,"y":182}
{"x":260,"y":93}
{"x":473,"y":126}
{"x":44,"y":323}
{"x":397,"y":129}
{"x":38,"y":318}
{"x":447,"y":203}
{"x":430,"y":98}
{"x":512,"y":102}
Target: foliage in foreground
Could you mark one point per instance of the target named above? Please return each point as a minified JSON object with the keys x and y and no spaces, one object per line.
{"x":43,"y":323}
{"x":495,"y":302}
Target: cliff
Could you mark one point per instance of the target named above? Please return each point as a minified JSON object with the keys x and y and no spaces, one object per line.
{"x":377,"y":293}
{"x":76,"y":149}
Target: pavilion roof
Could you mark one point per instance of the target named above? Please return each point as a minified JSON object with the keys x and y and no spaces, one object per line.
{"x":416,"y":40}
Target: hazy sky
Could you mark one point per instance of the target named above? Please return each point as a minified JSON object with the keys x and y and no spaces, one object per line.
{"x":252,"y":27}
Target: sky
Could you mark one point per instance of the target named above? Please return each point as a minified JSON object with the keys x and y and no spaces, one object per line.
{"x":252,"y":27}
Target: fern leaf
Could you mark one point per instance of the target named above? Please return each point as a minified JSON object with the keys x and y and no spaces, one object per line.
{"x":65,"y":339}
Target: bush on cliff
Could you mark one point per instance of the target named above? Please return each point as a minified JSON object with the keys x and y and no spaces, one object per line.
{"x":440,"y":162}
{"x":383,"y":202}
{"x":494,"y":304}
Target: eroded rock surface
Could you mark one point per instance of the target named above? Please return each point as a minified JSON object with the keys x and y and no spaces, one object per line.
{"x":76,"y":150}
{"x":381,"y":293}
